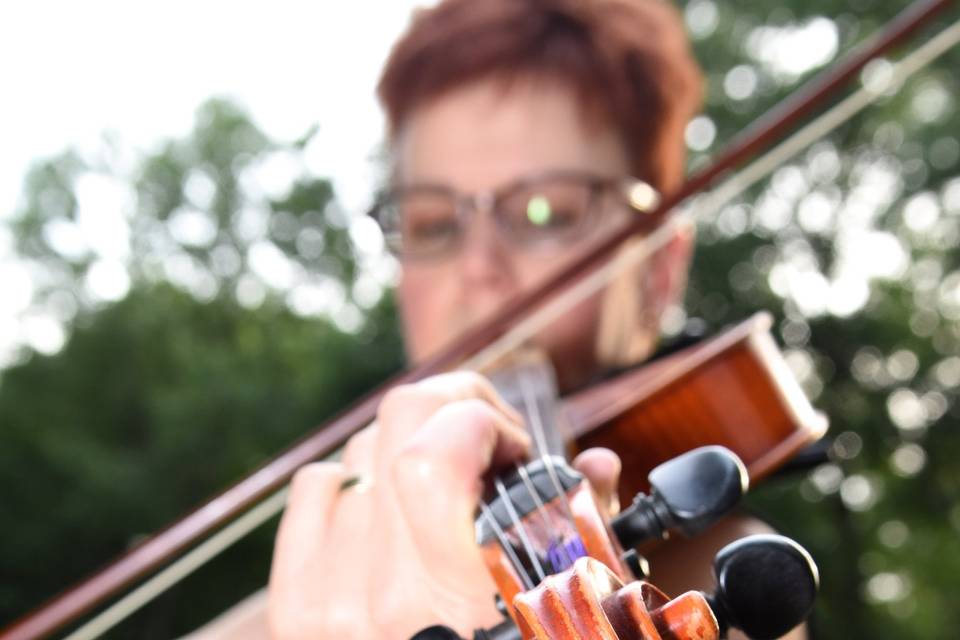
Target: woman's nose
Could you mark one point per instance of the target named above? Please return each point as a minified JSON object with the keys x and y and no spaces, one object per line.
{"x":485,"y":261}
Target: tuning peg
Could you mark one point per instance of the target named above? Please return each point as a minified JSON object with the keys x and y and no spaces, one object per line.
{"x":637,"y":564}
{"x":766,"y":585}
{"x":506,"y":630}
{"x":437,"y":632}
{"x":688,"y":493}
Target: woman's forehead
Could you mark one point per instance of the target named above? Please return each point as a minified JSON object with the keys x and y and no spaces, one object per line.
{"x":485,"y":134}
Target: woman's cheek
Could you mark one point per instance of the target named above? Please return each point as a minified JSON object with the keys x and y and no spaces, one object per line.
{"x":425,"y":309}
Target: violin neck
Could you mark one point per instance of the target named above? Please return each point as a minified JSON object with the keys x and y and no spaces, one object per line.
{"x":529,"y":384}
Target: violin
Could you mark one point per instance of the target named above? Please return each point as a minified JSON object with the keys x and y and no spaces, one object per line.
{"x":733,"y":390}
{"x":567,"y":570}
{"x":547,"y":523}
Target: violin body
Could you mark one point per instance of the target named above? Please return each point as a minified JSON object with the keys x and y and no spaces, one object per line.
{"x":733,"y":390}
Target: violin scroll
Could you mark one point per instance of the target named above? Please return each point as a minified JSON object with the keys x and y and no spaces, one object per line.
{"x":561,"y":566}
{"x":766,"y":585}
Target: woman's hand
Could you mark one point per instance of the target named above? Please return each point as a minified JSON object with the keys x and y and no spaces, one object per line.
{"x":396,"y":552}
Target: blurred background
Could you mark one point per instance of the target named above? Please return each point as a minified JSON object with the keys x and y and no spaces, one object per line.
{"x":188,"y":283}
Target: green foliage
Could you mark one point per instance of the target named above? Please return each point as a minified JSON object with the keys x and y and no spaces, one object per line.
{"x":191,"y":379}
{"x":154,"y":405}
{"x":882,"y":517}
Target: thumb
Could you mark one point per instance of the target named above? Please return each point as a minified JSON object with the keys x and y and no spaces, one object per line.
{"x":602,"y":469}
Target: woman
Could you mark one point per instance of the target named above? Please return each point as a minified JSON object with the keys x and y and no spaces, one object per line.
{"x":514,"y":125}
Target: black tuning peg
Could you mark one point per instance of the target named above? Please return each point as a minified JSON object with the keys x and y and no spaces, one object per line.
{"x":766,"y":585}
{"x":506,"y":630}
{"x":688,"y":493}
{"x":437,"y":632}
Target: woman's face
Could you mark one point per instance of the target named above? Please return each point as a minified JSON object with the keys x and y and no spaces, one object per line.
{"x":482,"y":137}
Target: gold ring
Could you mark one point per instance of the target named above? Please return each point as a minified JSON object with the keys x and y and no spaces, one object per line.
{"x":355,"y":482}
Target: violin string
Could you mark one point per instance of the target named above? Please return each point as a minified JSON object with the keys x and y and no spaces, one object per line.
{"x":816,"y":129}
{"x":555,"y":535}
{"x":519,"y":528}
{"x":532,"y":414}
{"x":506,"y":546}
{"x":529,"y":396}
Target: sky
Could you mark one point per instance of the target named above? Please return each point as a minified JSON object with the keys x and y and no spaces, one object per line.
{"x":70,"y":71}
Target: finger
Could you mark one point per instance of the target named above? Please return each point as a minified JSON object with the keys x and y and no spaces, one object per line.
{"x":445,"y":461}
{"x":463,"y":385}
{"x":310,"y":502}
{"x":360,"y":453}
{"x":355,"y":514}
{"x":602,"y":469}
{"x":461,"y":441}
{"x":407,"y":408}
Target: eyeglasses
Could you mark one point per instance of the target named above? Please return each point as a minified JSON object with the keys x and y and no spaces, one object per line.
{"x":429,"y":221}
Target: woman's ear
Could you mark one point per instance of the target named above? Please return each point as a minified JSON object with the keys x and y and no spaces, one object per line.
{"x":642,"y":289}
{"x":670,"y":268}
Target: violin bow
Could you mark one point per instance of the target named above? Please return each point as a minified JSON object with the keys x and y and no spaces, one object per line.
{"x":245,"y":499}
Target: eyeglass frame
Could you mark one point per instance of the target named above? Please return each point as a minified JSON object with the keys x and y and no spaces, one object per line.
{"x":636,"y":194}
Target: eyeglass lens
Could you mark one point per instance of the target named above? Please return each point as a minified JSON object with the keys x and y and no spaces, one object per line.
{"x":427,"y":221}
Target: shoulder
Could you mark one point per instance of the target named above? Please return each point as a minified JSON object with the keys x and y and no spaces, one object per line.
{"x":680,"y":565}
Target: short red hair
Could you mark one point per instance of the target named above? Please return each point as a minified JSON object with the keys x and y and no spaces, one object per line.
{"x":628,"y":61}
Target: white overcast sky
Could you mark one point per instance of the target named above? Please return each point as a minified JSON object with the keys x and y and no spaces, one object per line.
{"x":72,"y":70}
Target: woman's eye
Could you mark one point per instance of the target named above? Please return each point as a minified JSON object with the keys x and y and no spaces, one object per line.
{"x":428,"y":219}
{"x":430,"y":226}
{"x":544,"y":213}
{"x":434,"y":229}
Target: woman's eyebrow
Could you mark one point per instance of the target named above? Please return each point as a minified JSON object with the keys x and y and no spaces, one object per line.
{"x":424,"y":185}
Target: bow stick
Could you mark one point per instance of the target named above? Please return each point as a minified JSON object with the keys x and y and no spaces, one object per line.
{"x":266,"y":481}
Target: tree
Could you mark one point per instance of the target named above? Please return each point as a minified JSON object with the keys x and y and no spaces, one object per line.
{"x":228,"y":326}
{"x":853,"y":246}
